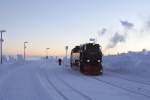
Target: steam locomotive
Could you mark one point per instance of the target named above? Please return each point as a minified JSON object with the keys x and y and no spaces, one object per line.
{"x":87,"y":58}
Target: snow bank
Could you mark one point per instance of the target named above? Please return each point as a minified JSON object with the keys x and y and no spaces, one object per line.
{"x":132,"y":63}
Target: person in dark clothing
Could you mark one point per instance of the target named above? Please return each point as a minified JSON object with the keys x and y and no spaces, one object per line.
{"x":59,"y":61}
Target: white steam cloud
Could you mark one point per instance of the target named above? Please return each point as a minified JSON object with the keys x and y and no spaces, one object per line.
{"x":127,"y":25}
{"x":102,"y":31}
{"x":117,"y":38}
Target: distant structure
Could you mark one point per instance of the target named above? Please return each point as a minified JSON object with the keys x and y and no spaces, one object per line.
{"x":47,"y":53}
{"x":20,"y":57}
{"x":1,"y":41}
{"x":25,"y":49}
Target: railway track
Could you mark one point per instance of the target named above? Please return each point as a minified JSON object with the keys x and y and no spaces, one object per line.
{"x":68,"y":86}
{"x":75,"y":90}
{"x":127,"y":79}
{"x":123,"y":88}
{"x":57,"y":82}
{"x":45,"y":79}
{"x":57,"y":90}
{"x":127,"y":89}
{"x":136,"y":90}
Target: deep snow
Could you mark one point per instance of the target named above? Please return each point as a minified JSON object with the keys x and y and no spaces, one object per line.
{"x":126,"y":77}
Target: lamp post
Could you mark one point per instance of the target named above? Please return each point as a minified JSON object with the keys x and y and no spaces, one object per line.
{"x":66,"y":53}
{"x":25,"y":49}
{"x":1,"y":40}
{"x":47,"y":52}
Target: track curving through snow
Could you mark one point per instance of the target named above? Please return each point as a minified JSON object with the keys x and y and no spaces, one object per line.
{"x":45,"y":80}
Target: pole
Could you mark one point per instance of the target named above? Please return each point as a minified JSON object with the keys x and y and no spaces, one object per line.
{"x":1,"y":40}
{"x":1,"y":49}
{"x":25,"y":50}
{"x":66,"y":53}
{"x":47,"y":52}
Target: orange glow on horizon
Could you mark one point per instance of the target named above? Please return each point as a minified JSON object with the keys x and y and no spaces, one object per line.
{"x":30,"y":52}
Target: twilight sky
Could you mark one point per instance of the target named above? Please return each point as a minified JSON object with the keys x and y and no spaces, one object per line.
{"x":117,"y":25}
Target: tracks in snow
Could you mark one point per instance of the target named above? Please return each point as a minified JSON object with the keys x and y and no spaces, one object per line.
{"x":77,"y":91}
{"x":68,"y":92}
{"x":130,"y":80}
{"x":64,"y":89}
{"x":128,"y":89}
{"x":128,"y":86}
{"x":57,"y":90}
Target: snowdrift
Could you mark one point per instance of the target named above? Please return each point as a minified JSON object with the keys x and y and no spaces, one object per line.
{"x":136,"y":63}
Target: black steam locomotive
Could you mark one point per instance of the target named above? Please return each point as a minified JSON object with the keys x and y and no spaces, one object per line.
{"x":87,"y":58}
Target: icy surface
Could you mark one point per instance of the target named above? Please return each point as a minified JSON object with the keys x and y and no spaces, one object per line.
{"x":126,"y":77}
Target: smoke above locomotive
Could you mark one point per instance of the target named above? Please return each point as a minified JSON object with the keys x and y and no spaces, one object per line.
{"x":87,"y":58}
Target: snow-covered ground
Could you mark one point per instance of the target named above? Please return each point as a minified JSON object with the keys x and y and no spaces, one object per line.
{"x":126,"y":77}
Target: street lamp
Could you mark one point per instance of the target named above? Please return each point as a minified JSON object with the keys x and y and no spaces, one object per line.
{"x":25,"y":49}
{"x":47,"y":52}
{"x":1,"y":40}
{"x":66,"y":53}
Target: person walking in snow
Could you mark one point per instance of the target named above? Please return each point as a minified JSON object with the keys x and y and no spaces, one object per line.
{"x":59,"y":61}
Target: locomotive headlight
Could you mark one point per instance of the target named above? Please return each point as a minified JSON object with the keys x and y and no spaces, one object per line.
{"x":88,"y":60}
{"x":98,"y":60}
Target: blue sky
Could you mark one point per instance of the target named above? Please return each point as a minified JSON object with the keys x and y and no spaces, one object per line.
{"x":57,"y":23}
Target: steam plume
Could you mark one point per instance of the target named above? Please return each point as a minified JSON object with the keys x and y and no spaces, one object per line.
{"x":117,"y":38}
{"x":127,"y":25}
{"x":102,"y":31}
